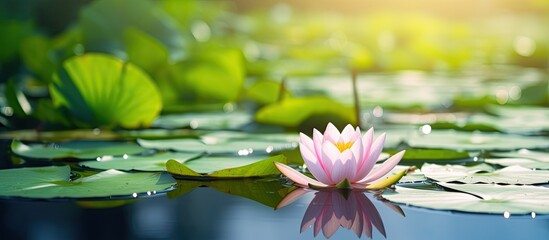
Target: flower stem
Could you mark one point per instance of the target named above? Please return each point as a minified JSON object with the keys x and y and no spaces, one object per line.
{"x":355,"y":97}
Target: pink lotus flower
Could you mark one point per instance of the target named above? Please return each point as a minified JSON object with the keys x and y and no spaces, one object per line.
{"x":337,"y":158}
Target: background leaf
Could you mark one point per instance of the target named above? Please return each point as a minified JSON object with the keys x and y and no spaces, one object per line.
{"x":100,"y":90}
{"x":75,"y":149}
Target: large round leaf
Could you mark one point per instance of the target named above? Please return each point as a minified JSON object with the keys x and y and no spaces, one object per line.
{"x":476,"y":141}
{"x":292,"y":112}
{"x":75,"y":149}
{"x":240,"y":147}
{"x":155,"y":163}
{"x":53,"y":182}
{"x":481,"y":198}
{"x":225,"y":167}
{"x":100,"y":90}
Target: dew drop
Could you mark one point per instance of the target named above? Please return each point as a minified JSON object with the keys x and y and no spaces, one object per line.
{"x":149,"y":193}
{"x":98,"y":159}
{"x":533,"y":214}
{"x":193,"y":124}
{"x":125,"y":156}
{"x":506,"y":214}
{"x":134,"y":195}
{"x":269,"y":149}
{"x":378,"y":111}
{"x":425,"y":129}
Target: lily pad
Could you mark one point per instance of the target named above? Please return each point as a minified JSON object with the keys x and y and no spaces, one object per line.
{"x":238,"y":168}
{"x":224,"y":136}
{"x":465,"y":141}
{"x":53,"y":182}
{"x":293,"y":111}
{"x":513,"y":124}
{"x":523,"y":162}
{"x":523,"y":157}
{"x":418,"y":156}
{"x":236,"y":147}
{"x":75,"y":149}
{"x":154,"y":163}
{"x":524,"y":153}
{"x":215,"y":120}
{"x":100,"y":90}
{"x":484,"y":173}
{"x":480,"y":198}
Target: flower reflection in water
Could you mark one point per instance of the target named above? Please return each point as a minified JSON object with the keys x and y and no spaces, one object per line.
{"x":332,"y":208}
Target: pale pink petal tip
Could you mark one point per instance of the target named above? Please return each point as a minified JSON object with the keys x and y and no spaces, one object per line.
{"x":297,"y":177}
{"x":385,"y":168}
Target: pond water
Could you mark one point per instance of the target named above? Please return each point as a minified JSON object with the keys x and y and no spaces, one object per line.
{"x":205,"y":213}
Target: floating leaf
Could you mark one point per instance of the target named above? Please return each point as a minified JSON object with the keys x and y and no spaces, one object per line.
{"x":265,"y":191}
{"x":485,"y":198}
{"x":418,"y":156}
{"x":484,"y":173}
{"x":215,"y":120}
{"x":75,"y":149}
{"x":100,"y":90}
{"x":523,"y":162}
{"x":240,"y":147}
{"x":514,"y":124}
{"x":154,"y":163}
{"x":59,"y":136}
{"x":465,"y":141}
{"x":294,"y":111}
{"x":524,"y":153}
{"x":253,"y":168}
{"x":53,"y":182}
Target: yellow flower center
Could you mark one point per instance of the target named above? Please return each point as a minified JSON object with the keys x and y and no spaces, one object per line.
{"x":342,"y":146}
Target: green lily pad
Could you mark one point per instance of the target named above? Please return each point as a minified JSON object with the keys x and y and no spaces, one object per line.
{"x":523,"y":162}
{"x":513,"y":124}
{"x":224,"y":136}
{"x":59,"y":136}
{"x":100,"y":90}
{"x":154,"y":163}
{"x":75,"y":149}
{"x":240,"y":147}
{"x":53,"y":182}
{"x":465,"y":141}
{"x":215,"y":120}
{"x":419,"y":156}
{"x":484,"y":173}
{"x":479,"y":198}
{"x":294,"y":111}
{"x":236,"y":167}
{"x":268,"y":192}
{"x":524,"y":153}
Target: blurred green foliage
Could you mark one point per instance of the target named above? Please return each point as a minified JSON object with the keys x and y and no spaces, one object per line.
{"x":200,"y":54}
